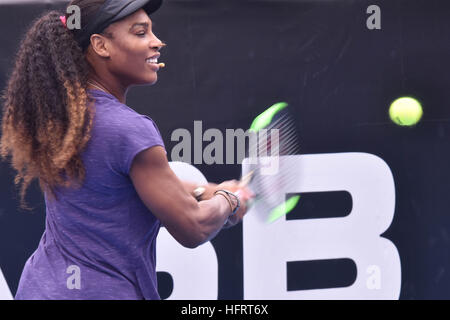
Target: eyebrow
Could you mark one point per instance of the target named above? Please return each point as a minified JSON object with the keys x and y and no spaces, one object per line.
{"x":143,"y":24}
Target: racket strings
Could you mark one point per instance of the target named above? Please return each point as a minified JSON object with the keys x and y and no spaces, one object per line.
{"x":266,"y":182}
{"x":266,"y":185}
{"x":287,"y":143}
{"x":272,"y":186}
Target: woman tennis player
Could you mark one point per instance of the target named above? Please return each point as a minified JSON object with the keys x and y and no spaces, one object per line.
{"x":102,"y":167}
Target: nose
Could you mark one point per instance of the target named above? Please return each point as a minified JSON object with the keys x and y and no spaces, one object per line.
{"x":155,"y":43}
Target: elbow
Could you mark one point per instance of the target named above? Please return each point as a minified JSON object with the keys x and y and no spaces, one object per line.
{"x":190,"y":244}
{"x":195,"y":237}
{"x":197,"y":229}
{"x":193,"y":242}
{"x":199,"y":237}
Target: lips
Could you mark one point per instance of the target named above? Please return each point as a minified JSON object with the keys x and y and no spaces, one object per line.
{"x":153,"y":59}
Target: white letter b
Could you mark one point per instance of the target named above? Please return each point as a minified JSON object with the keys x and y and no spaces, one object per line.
{"x":268,"y":247}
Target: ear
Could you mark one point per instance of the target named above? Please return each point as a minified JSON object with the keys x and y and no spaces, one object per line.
{"x":99,"y":45}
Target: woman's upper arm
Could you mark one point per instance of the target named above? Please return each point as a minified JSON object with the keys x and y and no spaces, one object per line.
{"x":164,"y":194}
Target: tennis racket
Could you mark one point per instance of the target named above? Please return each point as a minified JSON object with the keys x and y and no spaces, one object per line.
{"x":272,"y":135}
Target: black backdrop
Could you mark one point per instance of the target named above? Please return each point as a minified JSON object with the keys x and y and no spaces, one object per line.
{"x":229,"y":60}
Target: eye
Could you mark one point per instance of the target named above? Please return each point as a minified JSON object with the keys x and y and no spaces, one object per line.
{"x":141,"y":33}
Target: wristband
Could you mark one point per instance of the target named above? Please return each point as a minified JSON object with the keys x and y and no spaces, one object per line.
{"x":226,"y":198}
{"x":228,"y":193}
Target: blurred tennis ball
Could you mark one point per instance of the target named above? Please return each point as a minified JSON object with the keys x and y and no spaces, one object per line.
{"x":405,"y":111}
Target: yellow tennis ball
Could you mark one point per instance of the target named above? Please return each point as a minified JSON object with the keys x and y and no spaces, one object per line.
{"x":405,"y":111}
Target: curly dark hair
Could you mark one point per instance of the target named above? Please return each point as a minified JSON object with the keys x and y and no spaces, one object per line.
{"x":47,"y":114}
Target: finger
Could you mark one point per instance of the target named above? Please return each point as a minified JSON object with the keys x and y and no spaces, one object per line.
{"x":249,"y":193}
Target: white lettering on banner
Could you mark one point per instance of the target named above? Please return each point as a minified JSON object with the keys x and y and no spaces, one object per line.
{"x":5,"y":293}
{"x":194,"y":271}
{"x":268,"y":247}
{"x":374,"y":278}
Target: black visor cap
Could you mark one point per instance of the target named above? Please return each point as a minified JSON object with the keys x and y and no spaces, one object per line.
{"x":112,"y":11}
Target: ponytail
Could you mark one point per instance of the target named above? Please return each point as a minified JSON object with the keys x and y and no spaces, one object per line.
{"x":47,"y":115}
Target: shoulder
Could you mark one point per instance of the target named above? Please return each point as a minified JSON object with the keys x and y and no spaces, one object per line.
{"x":112,"y":116}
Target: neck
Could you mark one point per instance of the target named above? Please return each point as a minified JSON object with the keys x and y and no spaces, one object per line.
{"x":110,"y":87}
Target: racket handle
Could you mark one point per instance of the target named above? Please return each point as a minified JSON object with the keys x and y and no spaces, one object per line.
{"x":245,"y":180}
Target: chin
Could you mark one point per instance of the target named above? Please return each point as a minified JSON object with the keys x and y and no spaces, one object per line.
{"x":147,"y":82}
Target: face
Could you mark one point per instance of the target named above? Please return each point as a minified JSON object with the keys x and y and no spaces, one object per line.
{"x":132,"y":50}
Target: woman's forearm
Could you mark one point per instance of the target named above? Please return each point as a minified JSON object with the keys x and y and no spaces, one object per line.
{"x":213,"y":215}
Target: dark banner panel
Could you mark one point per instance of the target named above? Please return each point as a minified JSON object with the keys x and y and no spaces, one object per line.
{"x":339,"y":65}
